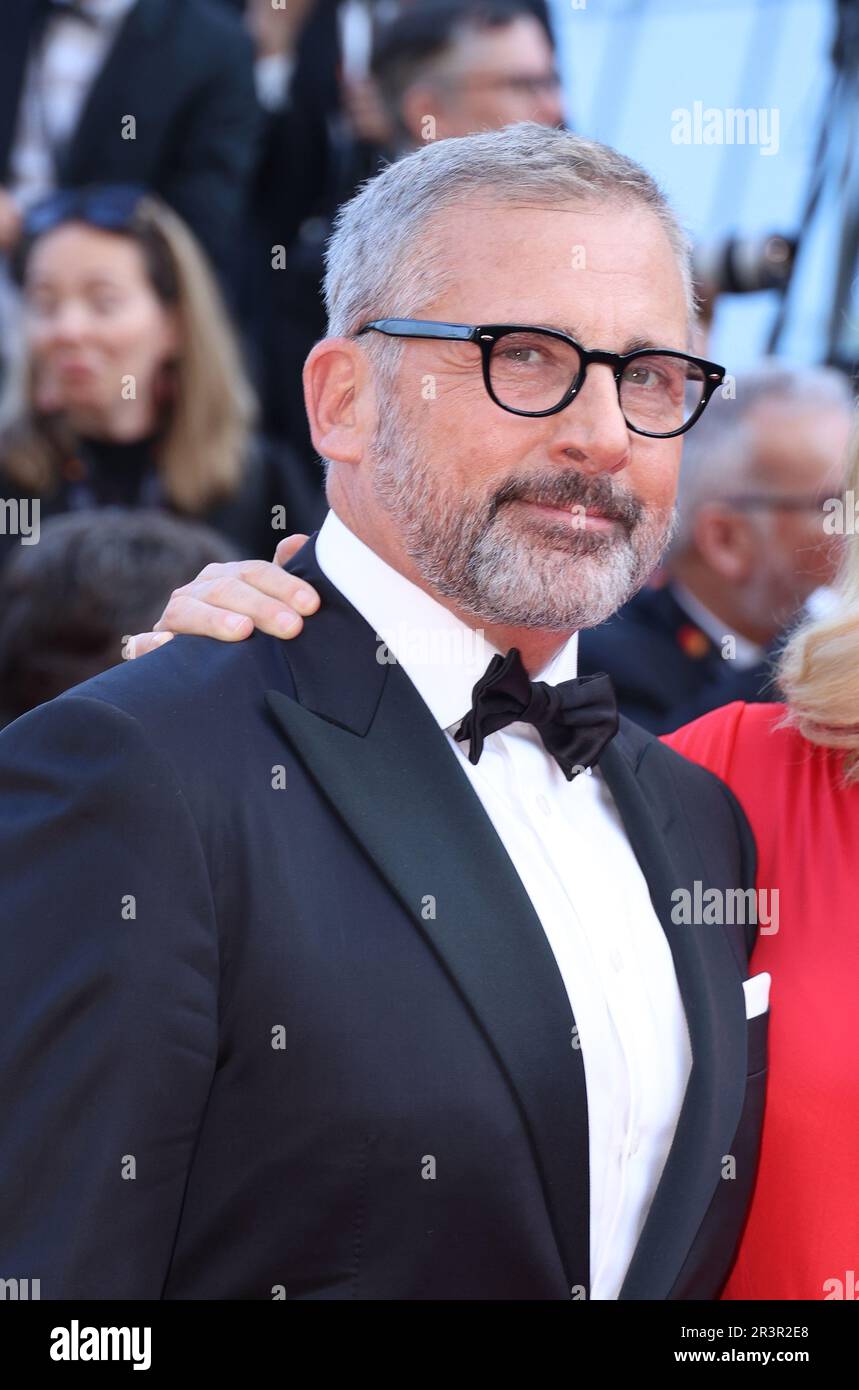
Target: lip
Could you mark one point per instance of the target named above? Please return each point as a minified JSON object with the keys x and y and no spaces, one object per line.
{"x":74,"y":369}
{"x":576,"y":520}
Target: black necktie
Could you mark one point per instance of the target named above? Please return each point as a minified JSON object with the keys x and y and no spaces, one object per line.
{"x":575,"y":719}
{"x":73,"y":10}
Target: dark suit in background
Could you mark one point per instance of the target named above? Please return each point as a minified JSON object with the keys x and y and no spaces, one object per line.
{"x":666,"y":671}
{"x":240,"y":1087}
{"x":184,"y":70}
{"x":311,"y":162}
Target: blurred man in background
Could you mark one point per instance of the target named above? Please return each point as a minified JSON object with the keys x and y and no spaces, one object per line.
{"x":748,"y":553}
{"x":450,"y":69}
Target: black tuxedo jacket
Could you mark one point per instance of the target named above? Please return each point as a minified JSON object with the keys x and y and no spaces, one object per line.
{"x":279,"y":1017}
{"x":665,"y":670}
{"x":184,"y":69}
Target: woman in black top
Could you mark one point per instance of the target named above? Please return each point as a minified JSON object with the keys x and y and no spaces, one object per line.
{"x":130,"y":389}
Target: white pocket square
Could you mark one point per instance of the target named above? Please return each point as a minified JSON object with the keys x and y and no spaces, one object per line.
{"x":757,"y":992}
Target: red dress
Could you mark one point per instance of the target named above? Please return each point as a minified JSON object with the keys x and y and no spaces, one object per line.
{"x":802,"y":1236}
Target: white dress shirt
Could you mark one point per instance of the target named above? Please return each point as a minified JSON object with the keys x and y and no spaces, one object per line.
{"x":569,"y":848}
{"x":746,"y":653}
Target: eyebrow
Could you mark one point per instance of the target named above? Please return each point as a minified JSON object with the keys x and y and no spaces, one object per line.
{"x":631,"y":345}
{"x":97,"y":281}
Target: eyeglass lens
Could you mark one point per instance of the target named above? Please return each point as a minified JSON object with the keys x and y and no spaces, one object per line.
{"x":532,"y":372}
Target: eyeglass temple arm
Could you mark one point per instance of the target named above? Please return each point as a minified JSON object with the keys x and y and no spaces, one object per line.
{"x":421,"y":328}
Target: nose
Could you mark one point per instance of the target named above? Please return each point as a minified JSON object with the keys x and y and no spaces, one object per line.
{"x":68,"y":323}
{"x":592,"y":430}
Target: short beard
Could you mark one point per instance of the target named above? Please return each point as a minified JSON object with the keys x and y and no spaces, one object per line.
{"x":544,"y":574}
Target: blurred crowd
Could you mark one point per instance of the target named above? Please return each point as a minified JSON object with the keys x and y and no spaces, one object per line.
{"x":169,"y":174}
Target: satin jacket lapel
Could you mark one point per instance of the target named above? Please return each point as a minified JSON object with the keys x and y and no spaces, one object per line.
{"x":367,"y":738}
{"x":707,"y":976}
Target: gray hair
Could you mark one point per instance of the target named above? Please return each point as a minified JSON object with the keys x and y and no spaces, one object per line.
{"x":720,"y":451}
{"x":378,"y":263}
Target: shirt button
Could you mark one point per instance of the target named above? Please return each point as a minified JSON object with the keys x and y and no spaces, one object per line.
{"x":544,"y":805}
{"x":616,"y":959}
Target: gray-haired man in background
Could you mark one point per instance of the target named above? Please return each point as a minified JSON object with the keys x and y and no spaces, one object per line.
{"x":750,"y":549}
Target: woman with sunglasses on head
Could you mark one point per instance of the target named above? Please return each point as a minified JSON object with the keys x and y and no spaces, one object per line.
{"x":130,"y":388}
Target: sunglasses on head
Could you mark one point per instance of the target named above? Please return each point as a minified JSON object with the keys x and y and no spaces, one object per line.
{"x":110,"y":206}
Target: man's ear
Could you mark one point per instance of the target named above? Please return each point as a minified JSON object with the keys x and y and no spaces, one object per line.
{"x":339,"y":399}
{"x":727,"y":542}
{"x":420,"y":113}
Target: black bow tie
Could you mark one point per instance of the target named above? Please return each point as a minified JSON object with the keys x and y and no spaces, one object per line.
{"x":73,"y":10}
{"x":575,"y":719}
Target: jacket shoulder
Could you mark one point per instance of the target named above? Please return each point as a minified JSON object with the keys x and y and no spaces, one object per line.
{"x":193,"y":700}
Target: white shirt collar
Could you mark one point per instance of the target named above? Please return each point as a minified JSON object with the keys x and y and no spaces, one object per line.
{"x":746,"y":653}
{"x":441,"y":655}
{"x":106,"y":11}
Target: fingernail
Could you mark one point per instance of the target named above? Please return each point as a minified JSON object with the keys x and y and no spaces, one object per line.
{"x":286,"y":622}
{"x":235,"y":621}
{"x":304,"y":600}
{"x":162,"y":637}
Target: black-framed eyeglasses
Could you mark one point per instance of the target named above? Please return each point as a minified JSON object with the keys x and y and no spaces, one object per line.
{"x":777,"y":502}
{"x":539,"y":371}
{"x":523,"y":83}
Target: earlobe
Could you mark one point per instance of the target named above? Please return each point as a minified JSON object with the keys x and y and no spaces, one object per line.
{"x":416,"y":108}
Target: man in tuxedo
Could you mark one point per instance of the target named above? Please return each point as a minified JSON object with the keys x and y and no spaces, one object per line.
{"x":349,"y":967}
{"x":749,"y":552}
{"x":75,"y":74}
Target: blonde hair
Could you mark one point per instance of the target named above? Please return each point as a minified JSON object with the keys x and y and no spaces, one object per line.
{"x":212,"y":406}
{"x":819,"y":666}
